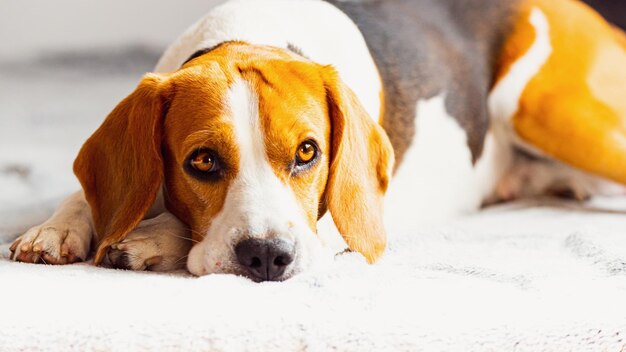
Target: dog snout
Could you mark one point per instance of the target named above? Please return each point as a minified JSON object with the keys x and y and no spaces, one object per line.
{"x":265,"y":260}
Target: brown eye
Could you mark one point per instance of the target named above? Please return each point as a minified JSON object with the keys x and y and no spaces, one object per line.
{"x":307,"y":152}
{"x":203,"y":161}
{"x":205,"y":165}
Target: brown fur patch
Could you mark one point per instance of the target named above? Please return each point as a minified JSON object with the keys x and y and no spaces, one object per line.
{"x":360,"y":170}
{"x":120,"y":166}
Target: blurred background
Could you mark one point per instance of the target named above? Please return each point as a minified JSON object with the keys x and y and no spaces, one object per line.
{"x":64,"y":64}
{"x":613,"y":10}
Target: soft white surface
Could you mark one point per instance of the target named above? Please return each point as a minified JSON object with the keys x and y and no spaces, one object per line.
{"x":513,"y":278}
{"x":523,"y":279}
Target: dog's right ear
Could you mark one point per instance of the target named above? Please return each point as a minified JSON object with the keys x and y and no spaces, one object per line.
{"x":120,"y":167}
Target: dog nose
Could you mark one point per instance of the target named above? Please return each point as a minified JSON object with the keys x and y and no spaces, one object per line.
{"x":265,"y":259}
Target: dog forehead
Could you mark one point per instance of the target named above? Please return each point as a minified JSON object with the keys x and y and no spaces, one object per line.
{"x":198,"y":107}
{"x":289,"y":99}
{"x":290,"y":93}
{"x":274,"y":68}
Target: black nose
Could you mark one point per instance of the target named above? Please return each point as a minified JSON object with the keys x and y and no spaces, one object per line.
{"x":266,"y":260}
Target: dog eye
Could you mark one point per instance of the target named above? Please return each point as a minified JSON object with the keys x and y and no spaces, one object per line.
{"x":204,"y":164}
{"x":307,"y":152}
{"x":204,"y":161}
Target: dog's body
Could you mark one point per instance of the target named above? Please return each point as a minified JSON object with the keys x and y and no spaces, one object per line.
{"x":457,"y":86}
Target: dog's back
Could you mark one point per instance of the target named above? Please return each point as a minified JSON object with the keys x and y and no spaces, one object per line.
{"x":424,"y":48}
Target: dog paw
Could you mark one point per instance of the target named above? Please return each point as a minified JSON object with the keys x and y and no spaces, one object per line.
{"x":510,"y":188}
{"x":159,"y":244}
{"x":53,"y":243}
{"x":537,"y":177}
{"x":572,"y":191}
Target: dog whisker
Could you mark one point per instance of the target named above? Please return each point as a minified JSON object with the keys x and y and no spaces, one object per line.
{"x":181,"y":237}
{"x":194,"y":233}
{"x":181,"y":259}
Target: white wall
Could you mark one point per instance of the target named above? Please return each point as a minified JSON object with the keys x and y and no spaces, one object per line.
{"x":28,"y":27}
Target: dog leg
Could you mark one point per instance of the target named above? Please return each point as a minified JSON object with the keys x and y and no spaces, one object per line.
{"x":542,"y":177}
{"x":571,"y":110}
{"x":64,"y":238}
{"x":531,"y":176}
{"x":158,"y":244}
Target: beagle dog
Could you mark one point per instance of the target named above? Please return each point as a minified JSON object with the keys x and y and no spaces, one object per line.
{"x":267,"y":114}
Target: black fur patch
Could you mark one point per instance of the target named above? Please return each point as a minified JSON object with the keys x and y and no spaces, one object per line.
{"x":296,"y":50}
{"x":424,"y":48}
{"x":205,"y":51}
{"x":122,"y":262}
{"x":197,"y":54}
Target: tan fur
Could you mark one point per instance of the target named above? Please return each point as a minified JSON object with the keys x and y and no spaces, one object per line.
{"x":360,"y":171}
{"x":573,"y":108}
{"x":120,"y":166}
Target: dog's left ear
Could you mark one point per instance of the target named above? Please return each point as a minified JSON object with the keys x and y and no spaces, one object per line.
{"x":361,"y":163}
{"x":120,"y":166}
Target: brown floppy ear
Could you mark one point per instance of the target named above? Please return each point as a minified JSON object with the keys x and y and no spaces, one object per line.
{"x":360,"y":169}
{"x":120,"y":166}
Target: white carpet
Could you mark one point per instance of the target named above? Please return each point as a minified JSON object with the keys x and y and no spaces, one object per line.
{"x":515,"y":278}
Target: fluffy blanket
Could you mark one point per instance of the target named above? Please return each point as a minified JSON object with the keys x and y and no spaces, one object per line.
{"x":525,"y":277}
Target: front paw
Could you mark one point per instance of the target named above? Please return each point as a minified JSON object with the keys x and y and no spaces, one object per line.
{"x":159,"y":244}
{"x":53,"y":243}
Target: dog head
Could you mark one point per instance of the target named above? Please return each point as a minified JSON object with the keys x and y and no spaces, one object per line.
{"x":251,"y":144}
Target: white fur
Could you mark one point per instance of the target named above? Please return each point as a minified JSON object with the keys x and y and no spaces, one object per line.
{"x":437,"y":177}
{"x":323,"y":33}
{"x":157,"y":244}
{"x":505,"y":97}
{"x":257,"y":205}
{"x":70,"y":225}
{"x":163,"y":238}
